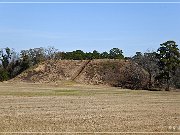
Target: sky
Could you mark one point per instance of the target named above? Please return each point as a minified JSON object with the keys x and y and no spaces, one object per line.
{"x":67,"y":27}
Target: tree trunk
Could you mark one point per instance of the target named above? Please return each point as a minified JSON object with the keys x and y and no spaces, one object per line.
{"x":168,"y":85}
{"x":150,"y":83}
{"x":150,"y":80}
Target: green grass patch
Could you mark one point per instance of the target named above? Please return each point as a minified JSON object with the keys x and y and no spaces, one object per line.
{"x":63,"y":92}
{"x":67,"y":92}
{"x":43,"y":93}
{"x":72,"y":91}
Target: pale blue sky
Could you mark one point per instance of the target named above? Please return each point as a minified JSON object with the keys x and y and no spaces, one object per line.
{"x":67,"y":27}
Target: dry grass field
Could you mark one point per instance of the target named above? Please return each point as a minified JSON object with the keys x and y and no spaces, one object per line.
{"x":69,"y":107}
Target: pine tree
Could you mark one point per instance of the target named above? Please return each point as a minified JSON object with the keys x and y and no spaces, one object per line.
{"x":168,"y":56}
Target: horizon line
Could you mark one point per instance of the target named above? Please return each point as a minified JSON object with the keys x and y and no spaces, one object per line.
{"x":88,"y":2}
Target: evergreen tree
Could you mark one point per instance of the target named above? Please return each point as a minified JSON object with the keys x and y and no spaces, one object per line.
{"x":116,"y":53}
{"x":168,"y":61}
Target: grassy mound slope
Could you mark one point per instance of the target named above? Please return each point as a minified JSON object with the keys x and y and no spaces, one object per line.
{"x":119,"y":73}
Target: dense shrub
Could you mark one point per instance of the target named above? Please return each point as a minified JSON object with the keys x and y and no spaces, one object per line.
{"x":4,"y":75}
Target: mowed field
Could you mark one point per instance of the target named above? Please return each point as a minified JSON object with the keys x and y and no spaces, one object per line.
{"x":73,"y":108}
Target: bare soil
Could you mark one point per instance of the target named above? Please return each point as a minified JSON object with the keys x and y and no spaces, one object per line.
{"x":70,"y":108}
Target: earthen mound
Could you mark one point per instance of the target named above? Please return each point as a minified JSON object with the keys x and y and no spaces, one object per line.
{"x":120,"y":73}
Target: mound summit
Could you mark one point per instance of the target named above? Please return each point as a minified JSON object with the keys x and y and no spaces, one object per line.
{"x":120,"y":73}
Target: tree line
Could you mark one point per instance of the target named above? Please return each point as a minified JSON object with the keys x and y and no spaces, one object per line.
{"x":12,"y":63}
{"x":162,"y":65}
